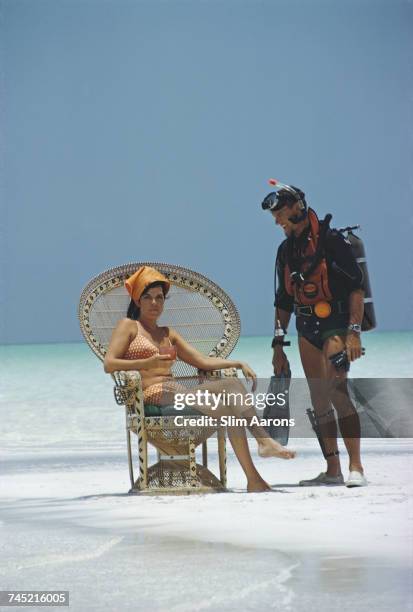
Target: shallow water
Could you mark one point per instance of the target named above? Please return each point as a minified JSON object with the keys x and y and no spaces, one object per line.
{"x":51,"y":394}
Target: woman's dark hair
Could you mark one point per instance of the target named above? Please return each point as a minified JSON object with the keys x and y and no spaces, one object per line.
{"x":133,"y":310}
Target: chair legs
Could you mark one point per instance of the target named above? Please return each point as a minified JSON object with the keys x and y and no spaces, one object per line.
{"x":205,"y":454}
{"x":143,"y":459}
{"x":222,"y":456}
{"x":130,"y":462}
{"x":192,"y":463}
{"x":175,"y":473}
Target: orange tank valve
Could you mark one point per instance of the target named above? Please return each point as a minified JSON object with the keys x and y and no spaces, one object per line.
{"x":322,"y":310}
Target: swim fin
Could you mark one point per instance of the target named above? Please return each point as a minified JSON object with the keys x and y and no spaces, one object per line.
{"x":279,"y":384}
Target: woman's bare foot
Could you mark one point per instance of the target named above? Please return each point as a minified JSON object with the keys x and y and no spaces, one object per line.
{"x":258,"y":486}
{"x":270,"y":448}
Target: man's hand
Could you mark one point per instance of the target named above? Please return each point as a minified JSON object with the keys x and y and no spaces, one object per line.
{"x":280,"y":362}
{"x":353,"y":346}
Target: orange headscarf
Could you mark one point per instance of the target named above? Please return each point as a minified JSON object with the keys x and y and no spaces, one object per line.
{"x":144,"y":276}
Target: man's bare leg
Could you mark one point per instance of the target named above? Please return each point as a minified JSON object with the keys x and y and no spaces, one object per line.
{"x":348,"y":418}
{"x":314,"y":364}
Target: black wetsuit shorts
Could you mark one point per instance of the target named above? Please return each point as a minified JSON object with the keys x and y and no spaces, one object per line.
{"x":316,"y":330}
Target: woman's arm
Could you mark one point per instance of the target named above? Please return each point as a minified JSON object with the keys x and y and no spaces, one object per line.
{"x":122,"y":336}
{"x":190,"y":355}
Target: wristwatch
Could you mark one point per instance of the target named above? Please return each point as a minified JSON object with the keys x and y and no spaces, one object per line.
{"x":279,"y":341}
{"x":354,"y":327}
{"x":279,"y":334}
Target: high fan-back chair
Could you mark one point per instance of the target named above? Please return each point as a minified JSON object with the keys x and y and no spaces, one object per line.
{"x":207,"y":318}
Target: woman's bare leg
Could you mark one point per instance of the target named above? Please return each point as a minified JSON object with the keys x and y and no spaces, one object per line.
{"x":267,"y":447}
{"x":239,"y":443}
{"x":237,"y":435}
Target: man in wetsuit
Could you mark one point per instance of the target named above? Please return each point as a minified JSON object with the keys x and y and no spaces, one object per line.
{"x":318,"y":278}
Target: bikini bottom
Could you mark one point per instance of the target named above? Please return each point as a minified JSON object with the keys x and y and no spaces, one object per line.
{"x":163,"y":394}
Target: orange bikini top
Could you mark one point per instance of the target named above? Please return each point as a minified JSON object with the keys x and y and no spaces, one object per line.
{"x":141,"y":347}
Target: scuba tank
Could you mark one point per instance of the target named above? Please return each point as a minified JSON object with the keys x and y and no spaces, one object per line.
{"x":357,"y":247}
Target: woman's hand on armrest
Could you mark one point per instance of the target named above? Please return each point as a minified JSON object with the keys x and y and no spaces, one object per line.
{"x":248,"y":373}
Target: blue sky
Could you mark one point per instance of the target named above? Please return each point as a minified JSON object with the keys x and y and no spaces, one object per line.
{"x":146,"y":130}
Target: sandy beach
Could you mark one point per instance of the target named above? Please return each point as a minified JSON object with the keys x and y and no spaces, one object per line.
{"x":67,"y":523}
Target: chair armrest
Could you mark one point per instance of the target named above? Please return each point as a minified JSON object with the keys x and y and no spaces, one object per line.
{"x":227,"y":372}
{"x":128,"y":391}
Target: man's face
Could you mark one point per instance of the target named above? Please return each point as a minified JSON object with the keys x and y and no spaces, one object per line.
{"x":281,"y":218}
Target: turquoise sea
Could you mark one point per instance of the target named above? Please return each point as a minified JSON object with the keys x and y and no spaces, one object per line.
{"x":58,"y":393}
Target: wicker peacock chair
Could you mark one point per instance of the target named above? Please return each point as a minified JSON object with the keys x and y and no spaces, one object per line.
{"x":207,"y":318}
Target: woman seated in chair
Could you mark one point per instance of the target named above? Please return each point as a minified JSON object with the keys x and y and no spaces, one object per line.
{"x":137,"y":343}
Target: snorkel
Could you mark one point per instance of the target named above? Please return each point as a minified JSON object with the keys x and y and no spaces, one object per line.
{"x":274,"y":200}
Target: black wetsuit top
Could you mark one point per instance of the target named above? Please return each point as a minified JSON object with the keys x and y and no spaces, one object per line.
{"x":344,"y":274}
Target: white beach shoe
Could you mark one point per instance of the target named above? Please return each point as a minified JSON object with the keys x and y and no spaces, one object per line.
{"x":322,"y":480}
{"x":356,"y":479}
